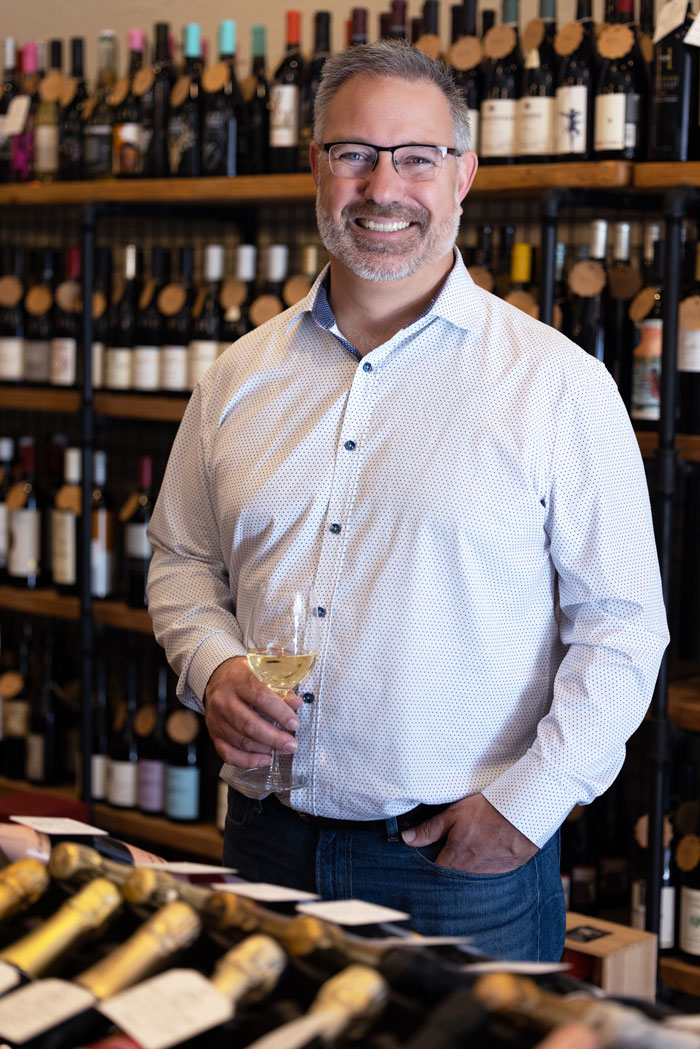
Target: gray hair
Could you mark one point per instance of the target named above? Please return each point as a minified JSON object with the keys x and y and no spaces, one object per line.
{"x":396,"y":59}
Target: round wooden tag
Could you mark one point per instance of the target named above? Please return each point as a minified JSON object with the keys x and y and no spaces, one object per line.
{"x":689,"y":313}
{"x":51,"y":87}
{"x":38,"y":300}
{"x":171,"y":299}
{"x":524,"y":301}
{"x":587,"y":278}
{"x":182,"y":726}
{"x":465,"y":54}
{"x":180,"y":91}
{"x":69,"y":90}
{"x":686,"y":817}
{"x":295,"y":289}
{"x":688,"y":852}
{"x":89,"y":106}
{"x":119,"y":91}
{"x":10,"y":291}
{"x":624,"y":280}
{"x":429,"y":44}
{"x":499,"y":41}
{"x":533,"y":34}
{"x":16,"y":496}
{"x":233,"y":293}
{"x":145,"y":720}
{"x":68,"y":296}
{"x":642,"y":304}
{"x":216,"y":77}
{"x":482,"y":277}
{"x":68,"y":498}
{"x":568,"y":38}
{"x":11,"y":684}
{"x":143,"y":81}
{"x":146,"y":295}
{"x":615,"y":41}
{"x":264,"y":308}
{"x":99,"y":304}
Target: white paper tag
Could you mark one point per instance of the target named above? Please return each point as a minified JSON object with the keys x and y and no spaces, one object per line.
{"x":693,"y":34}
{"x":58,"y":825}
{"x":416,"y":941}
{"x":524,"y":968}
{"x":351,"y":912}
{"x":670,"y":16}
{"x":181,"y":867}
{"x":9,"y":977}
{"x":16,"y":116}
{"x":39,"y":1006}
{"x":168,"y":1009}
{"x":265,"y":893}
{"x":291,"y":1035}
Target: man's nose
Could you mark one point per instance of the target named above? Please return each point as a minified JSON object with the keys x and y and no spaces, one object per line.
{"x":384,"y":184}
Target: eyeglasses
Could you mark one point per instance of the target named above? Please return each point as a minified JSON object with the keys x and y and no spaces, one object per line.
{"x":414,"y":163}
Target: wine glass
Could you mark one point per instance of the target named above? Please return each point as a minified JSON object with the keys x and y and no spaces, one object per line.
{"x":282,"y":648}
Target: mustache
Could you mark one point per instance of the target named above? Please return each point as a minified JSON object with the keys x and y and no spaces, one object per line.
{"x":390,"y":212}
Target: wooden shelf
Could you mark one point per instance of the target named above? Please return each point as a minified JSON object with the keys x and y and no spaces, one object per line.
{"x":64,"y":792}
{"x":524,"y":178}
{"x":687,"y":445}
{"x":117,"y":614}
{"x":680,"y":975}
{"x":43,"y":602}
{"x":684,"y":703}
{"x":667,"y":175}
{"x":41,"y":399}
{"x":200,"y":839}
{"x":137,"y":406}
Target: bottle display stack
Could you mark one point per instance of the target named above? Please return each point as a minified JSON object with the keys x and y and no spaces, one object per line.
{"x":170,"y":118}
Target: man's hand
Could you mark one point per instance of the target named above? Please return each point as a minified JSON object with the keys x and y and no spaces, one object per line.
{"x":234,"y":699}
{"x":479,"y":838}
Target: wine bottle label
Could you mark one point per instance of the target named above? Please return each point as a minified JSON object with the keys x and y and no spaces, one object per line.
{"x":4,"y":525}
{"x":646,"y":370}
{"x":465,"y":54}
{"x":98,"y":150}
{"x":474,"y":117}
{"x":128,"y":150}
{"x":64,"y":553}
{"x":15,"y":718}
{"x":182,"y":792}
{"x":24,"y":552}
{"x":616,"y":121}
{"x":46,"y":148}
{"x":688,"y":351}
{"x":667,"y":938}
{"x":37,"y":353}
{"x":219,"y":137}
{"x":221,"y":804}
{"x":35,"y":764}
{"x":9,"y":977}
{"x":151,"y":778}
{"x":99,"y":770}
{"x":39,"y":1007}
{"x":202,"y":354}
{"x":535,"y":123}
{"x":174,"y":368}
{"x":63,"y":362}
{"x":284,"y":115}
{"x":146,"y":368}
{"x":118,"y":367}
{"x":11,"y":358}
{"x":498,"y":127}
{"x":689,"y":927}
{"x":136,"y":542}
{"x":572,"y":119}
{"x":103,"y":560}
{"x":122,"y":784}
{"x":98,"y":364}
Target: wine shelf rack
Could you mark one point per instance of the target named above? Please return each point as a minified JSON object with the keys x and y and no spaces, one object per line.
{"x":39,"y":399}
{"x":680,"y":975}
{"x":47,"y":602}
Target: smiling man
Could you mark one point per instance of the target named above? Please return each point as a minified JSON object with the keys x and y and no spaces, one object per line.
{"x":459,"y":483}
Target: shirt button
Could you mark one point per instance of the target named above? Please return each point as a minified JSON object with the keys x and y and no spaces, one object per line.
{"x":320,"y":612}
{"x":308,"y":697}
{"x":350,"y":446}
{"x":366,"y":367}
{"x":335,"y":529}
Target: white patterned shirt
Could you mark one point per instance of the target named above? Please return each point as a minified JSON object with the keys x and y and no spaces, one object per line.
{"x":470,"y":503}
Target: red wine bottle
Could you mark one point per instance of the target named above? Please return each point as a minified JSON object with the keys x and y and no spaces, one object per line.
{"x":185,"y":114}
{"x":576,"y":86}
{"x":689,"y":354}
{"x":127,"y":134}
{"x":309,"y":85}
{"x":224,"y":113}
{"x":12,"y":320}
{"x":146,"y":371}
{"x":155,"y":101}
{"x":182,"y":771}
{"x":622,"y":91}
{"x":38,"y":317}
{"x":17,"y":688}
{"x":64,"y":366}
{"x":673,"y":123}
{"x":26,"y":503}
{"x":205,"y":344}
{"x":175,"y":303}
{"x":149,"y":725}
{"x":122,"y":780}
{"x":122,"y":326}
{"x":70,"y":117}
{"x":536,"y":105}
{"x":358,"y":30}
{"x":498,"y":125}
{"x":588,"y":302}
{"x":464,"y":59}
{"x":284,"y":102}
{"x":259,"y":108}
{"x":43,"y":748}
{"x":65,"y":526}
{"x":135,"y":516}
{"x":99,"y":757}
{"x":7,"y":454}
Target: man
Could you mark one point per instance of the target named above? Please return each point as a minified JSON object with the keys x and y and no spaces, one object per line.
{"x":462,"y":486}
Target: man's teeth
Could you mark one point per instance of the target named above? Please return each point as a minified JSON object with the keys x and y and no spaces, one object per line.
{"x":383,"y":227}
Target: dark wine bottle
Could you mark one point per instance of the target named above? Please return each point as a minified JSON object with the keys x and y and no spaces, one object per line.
{"x":560,"y":313}
{"x":182,"y":772}
{"x":127,"y":134}
{"x":149,"y":324}
{"x":26,"y":502}
{"x":498,"y":125}
{"x":22,"y":143}
{"x":464,"y":59}
{"x":122,"y":781}
{"x":103,"y":547}
{"x":259,"y":108}
{"x":205,"y":344}
{"x":224,"y":113}
{"x":122,"y":326}
{"x":689,"y":354}
{"x":397,"y":20}
{"x":8,"y":91}
{"x":101,"y":307}
{"x":12,"y":316}
{"x":269,"y":302}
{"x":99,"y":756}
{"x":358,"y":30}
{"x":43,"y":753}
{"x":7,"y":453}
{"x":149,"y":725}
{"x":175,"y":304}
{"x":16,"y":690}
{"x":284,"y":102}
{"x":38,"y":317}
{"x":309,"y":85}
{"x":646,"y":310}
{"x":65,"y":526}
{"x":98,"y":114}
{"x":70,"y":117}
{"x":639,"y":873}
{"x":589,"y":301}
{"x":673,"y":112}
{"x":155,"y":102}
{"x":576,"y":84}
{"x":185,"y":114}
{"x":135,"y":516}
{"x":622,"y":91}
{"x":624,"y":281}
{"x":536,"y":105}
{"x":64,"y":366}
{"x":237,"y":295}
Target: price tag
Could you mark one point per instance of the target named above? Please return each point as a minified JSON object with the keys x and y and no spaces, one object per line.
{"x":168,"y":1009}
{"x":264,"y":892}
{"x":9,"y":977}
{"x":16,"y":116}
{"x":522,"y":968}
{"x":671,"y":15}
{"x":417,"y":941}
{"x":58,"y":825}
{"x":351,"y":912}
{"x":692,"y":36}
{"x":39,"y":1007}
{"x":188,"y":868}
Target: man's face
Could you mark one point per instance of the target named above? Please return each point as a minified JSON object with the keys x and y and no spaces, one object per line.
{"x":385,"y":111}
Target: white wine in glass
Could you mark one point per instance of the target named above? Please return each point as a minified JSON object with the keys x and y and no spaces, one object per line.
{"x":282,"y":649}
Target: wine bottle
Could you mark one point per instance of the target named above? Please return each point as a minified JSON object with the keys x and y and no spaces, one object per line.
{"x":46,"y":160}
{"x":536,"y":105}
{"x":589,"y":301}
{"x":63,"y":349}
{"x":309,"y":83}
{"x":53,"y":479}
{"x":43,"y":747}
{"x":153,"y":86}
{"x":22,"y":143}
{"x":621,"y":95}
{"x":70,"y":119}
{"x":237,"y":294}
{"x":122,"y":781}
{"x":624,"y":281}
{"x":269,"y":302}
{"x":259,"y":108}
{"x":97,"y":112}
{"x":498,"y":124}
{"x":12,"y":316}
{"x":19,"y":842}
{"x":502,"y":264}
{"x":416,"y":30}
{"x":135,"y":516}
{"x":38,"y":318}
{"x":8,"y":91}
{"x":101,"y":305}
{"x":575,"y":44}
{"x":689,"y":354}
{"x":488,"y":20}
{"x":149,"y":725}
{"x":673,"y":114}
{"x":103,"y":545}
{"x":464,"y":58}
{"x":185,"y":113}
{"x":25,"y":504}
{"x":520,"y":292}
{"x":205,"y":344}
{"x":127,"y":132}
{"x":99,"y":753}
{"x":560,"y":312}
{"x":21,"y":884}
{"x":7,"y":453}
{"x":224,"y":113}
{"x":175,"y":303}
{"x":358,"y":33}
{"x":182,"y":772}
{"x":149,"y":324}
{"x":284,"y":102}
{"x":652,"y":233}
{"x":122,"y":326}
{"x":65,"y":524}
{"x":397,"y":20}
{"x":298,"y":285}
{"x":16,"y":689}
{"x":639,"y":871}
{"x":646,"y":311}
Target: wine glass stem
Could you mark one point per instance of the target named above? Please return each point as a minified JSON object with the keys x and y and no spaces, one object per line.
{"x":274,"y":767}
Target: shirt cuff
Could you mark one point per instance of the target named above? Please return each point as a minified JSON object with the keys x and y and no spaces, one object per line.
{"x":212,"y":652}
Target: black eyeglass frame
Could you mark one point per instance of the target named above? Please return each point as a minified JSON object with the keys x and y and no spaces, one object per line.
{"x":443,"y":150}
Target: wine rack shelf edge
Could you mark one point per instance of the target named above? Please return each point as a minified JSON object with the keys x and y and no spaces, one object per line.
{"x":680,"y":975}
{"x":41,"y":399}
{"x":47,"y":602}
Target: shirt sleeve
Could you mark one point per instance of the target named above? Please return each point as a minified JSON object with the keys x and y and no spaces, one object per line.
{"x":610,"y":611}
{"x":189,"y":593}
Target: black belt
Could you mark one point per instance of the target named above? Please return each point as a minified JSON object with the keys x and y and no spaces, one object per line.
{"x":405,"y":821}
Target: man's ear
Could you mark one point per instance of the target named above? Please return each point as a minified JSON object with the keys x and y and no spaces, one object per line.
{"x":314,"y":157}
{"x":468,"y":164}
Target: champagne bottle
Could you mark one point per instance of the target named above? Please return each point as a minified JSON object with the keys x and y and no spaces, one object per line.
{"x":464,"y":59}
{"x":135,"y":516}
{"x":43,"y":749}
{"x":259,"y":107}
{"x":12,"y":316}
{"x":97,"y":112}
{"x":624,"y":282}
{"x":182,"y":772}
{"x":149,"y":725}
{"x":269,"y":302}
{"x":536,"y":105}
{"x":237,"y":295}
{"x":46,"y":136}
{"x":38,"y":318}
{"x":149,"y":324}
{"x":16,"y":689}
{"x":99,"y":753}
{"x":70,"y":119}
{"x":689,"y":354}
{"x":8,"y":91}
{"x":284,"y":102}
{"x":498,"y":124}
{"x":25,"y":505}
{"x":589,"y":302}
{"x":673,"y":115}
{"x":22,"y":143}
{"x":225,"y":118}
{"x":103,"y":546}
{"x":175,"y":304}
{"x":122,"y":782}
{"x":309,"y":84}
{"x":127,"y":133}
{"x":185,"y":114}
{"x":621,"y":92}
{"x":65,"y":524}
{"x":19,"y":842}
{"x":646,"y":310}
{"x":154,"y":88}
{"x":7,"y":454}
{"x":205,"y":344}
{"x":63,"y":350}
{"x":576,"y":84}
{"x":122,"y":325}
{"x":21,"y":884}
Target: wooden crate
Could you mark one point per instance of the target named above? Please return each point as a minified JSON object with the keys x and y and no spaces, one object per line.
{"x":615,"y":957}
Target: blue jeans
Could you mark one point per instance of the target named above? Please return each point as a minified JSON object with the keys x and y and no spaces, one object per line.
{"x":516,"y":915}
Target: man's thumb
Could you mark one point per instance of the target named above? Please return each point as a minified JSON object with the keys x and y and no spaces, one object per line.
{"x":426,"y":833}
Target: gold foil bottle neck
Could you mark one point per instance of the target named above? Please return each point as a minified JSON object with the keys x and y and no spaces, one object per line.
{"x":356,"y":996}
{"x":251,"y":970}
{"x":225,"y":910}
{"x":70,"y":860}
{"x":21,"y":884}
{"x":144,"y":887}
{"x":307,"y":934}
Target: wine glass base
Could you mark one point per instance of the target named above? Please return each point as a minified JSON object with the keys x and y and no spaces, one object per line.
{"x":274,"y":782}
